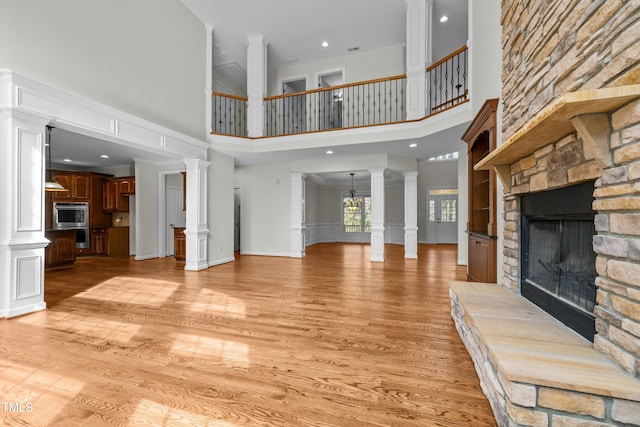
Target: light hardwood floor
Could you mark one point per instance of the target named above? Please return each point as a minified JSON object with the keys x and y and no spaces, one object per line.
{"x":331,"y":339}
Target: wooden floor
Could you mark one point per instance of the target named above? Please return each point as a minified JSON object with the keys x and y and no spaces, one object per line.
{"x":331,"y":339}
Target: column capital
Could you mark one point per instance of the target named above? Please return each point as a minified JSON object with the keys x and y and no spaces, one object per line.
{"x":376,"y":170}
{"x":410,"y":174}
{"x":196,"y":163}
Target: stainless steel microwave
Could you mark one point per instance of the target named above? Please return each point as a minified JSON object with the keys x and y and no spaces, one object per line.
{"x":70,"y":215}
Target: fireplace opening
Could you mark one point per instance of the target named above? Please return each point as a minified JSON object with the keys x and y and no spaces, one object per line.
{"x":558,"y":265}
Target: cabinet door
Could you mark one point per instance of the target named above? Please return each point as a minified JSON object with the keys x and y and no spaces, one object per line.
{"x":66,"y":247}
{"x":81,"y":188}
{"x":63,"y":179}
{"x":109,"y":195}
{"x":127,"y":185}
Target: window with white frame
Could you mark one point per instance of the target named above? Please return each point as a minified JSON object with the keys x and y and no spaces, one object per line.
{"x":356,"y":212}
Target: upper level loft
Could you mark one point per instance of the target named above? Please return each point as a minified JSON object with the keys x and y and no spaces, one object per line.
{"x":442,"y":86}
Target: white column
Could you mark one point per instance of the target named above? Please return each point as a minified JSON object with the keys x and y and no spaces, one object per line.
{"x":411,"y":214}
{"x":196,"y":216}
{"x":256,"y":84}
{"x":377,"y":214}
{"x":298,"y":218}
{"x":22,"y":235}
{"x":418,"y":11}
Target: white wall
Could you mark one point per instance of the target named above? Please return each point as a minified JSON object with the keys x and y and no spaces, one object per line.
{"x":358,"y":66}
{"x":144,"y":57}
{"x":146,"y":208}
{"x":266,"y":209}
{"x":433,"y":174}
{"x":220,"y":208}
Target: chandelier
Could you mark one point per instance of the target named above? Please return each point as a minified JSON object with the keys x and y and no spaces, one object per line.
{"x":352,"y":202}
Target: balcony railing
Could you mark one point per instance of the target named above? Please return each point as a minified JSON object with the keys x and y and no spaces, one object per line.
{"x":229,"y":115}
{"x":368,"y":103}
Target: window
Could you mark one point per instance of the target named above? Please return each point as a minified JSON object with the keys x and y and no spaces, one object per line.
{"x":356,"y":213}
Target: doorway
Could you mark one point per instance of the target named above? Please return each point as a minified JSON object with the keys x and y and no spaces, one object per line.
{"x":293,"y":109}
{"x":442,"y":215}
{"x":330,"y":102}
{"x":237,"y":197}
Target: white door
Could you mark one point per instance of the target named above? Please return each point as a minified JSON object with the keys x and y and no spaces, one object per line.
{"x":442,"y":215}
{"x":174,"y":215}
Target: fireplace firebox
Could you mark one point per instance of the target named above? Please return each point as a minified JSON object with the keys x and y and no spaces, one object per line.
{"x":558,"y":268}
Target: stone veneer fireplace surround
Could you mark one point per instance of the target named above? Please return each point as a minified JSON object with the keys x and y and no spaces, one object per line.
{"x":583,"y":136}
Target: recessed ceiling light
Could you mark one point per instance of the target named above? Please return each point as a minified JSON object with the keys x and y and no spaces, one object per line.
{"x":414,"y":145}
{"x":444,"y":18}
{"x":329,"y":152}
{"x":325,"y":43}
{"x":104,"y":156}
{"x":67,"y":160}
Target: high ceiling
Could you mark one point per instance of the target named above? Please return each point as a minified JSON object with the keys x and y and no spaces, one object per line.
{"x":295,"y":29}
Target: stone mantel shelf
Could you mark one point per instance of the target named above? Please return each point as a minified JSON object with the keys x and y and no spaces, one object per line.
{"x":554,"y":123}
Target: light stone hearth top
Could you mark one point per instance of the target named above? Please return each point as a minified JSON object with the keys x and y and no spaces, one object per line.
{"x":554,"y":122}
{"x":529,"y":346}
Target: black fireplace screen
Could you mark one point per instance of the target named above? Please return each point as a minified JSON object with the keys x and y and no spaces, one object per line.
{"x":558,"y":262}
{"x":561,"y":260}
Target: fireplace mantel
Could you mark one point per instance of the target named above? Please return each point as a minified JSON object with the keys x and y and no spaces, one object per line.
{"x":553,"y":123}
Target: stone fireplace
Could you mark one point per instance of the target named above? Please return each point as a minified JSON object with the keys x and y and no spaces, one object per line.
{"x":583,"y":149}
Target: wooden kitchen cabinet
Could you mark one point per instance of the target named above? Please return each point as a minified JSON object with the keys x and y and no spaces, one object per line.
{"x":113,"y":200}
{"x":78,"y":185}
{"x":110,"y":241}
{"x":179,"y":244}
{"x":61,"y":251}
{"x":127,"y":185}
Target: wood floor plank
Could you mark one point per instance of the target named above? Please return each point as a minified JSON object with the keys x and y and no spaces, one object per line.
{"x":329,"y":340}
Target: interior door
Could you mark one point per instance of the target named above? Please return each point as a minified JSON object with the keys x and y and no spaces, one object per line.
{"x":174,"y":216}
{"x":236,"y":220}
{"x":442,"y":216}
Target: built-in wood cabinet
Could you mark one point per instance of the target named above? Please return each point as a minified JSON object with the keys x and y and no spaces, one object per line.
{"x":179,"y":243}
{"x":61,"y":250}
{"x":116,"y":192}
{"x":110,"y":241}
{"x":480,"y":137}
{"x":78,"y":185}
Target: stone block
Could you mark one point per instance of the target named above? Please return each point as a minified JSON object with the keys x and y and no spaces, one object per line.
{"x":614,"y":190}
{"x":633,"y":170}
{"x":526,"y":416}
{"x":566,"y":421}
{"x":615,"y":175}
{"x":620,"y":203}
{"x":626,"y":115}
{"x":615,"y":140}
{"x":568,"y":401}
{"x":602,"y":222}
{"x":602,"y":297}
{"x":624,"y":271}
{"x":539,"y":182}
{"x":627,"y":224}
{"x":634,"y":249}
{"x":558,"y":178}
{"x":625,"y":340}
{"x":521,"y":394}
{"x":625,"y":360}
{"x":611,"y":286}
{"x":585,"y":172}
{"x":630,"y":134}
{"x":601,"y":265}
{"x":627,"y":153}
{"x":631,"y":327}
{"x":527,"y":162}
{"x":612,"y":246}
{"x":626,"y":411}
{"x":607,"y":316}
{"x":543,"y":151}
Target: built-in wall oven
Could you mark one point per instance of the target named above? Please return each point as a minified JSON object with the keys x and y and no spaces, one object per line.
{"x":73,"y":216}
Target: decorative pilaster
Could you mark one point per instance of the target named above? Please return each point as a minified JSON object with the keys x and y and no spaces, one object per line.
{"x":196,"y":215}
{"x":208,"y":90}
{"x":256,"y":84}
{"x":377,"y":214}
{"x":418,"y":41}
{"x":411,"y":214}
{"x":298,"y":219}
{"x":22,"y":239}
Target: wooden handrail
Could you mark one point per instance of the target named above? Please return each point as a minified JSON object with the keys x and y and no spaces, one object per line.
{"x":366,"y":82}
{"x":452,"y":100}
{"x":446,"y":58}
{"x":225,"y":95}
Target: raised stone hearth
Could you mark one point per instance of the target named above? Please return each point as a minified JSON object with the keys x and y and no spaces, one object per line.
{"x":583,"y":136}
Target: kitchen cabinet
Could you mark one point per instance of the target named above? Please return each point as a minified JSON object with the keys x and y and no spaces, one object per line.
{"x":110,"y":241}
{"x":179,"y":243}
{"x":78,"y":185}
{"x":113,"y":200}
{"x":61,"y":251}
{"x":480,"y":137}
{"x":127,"y":185}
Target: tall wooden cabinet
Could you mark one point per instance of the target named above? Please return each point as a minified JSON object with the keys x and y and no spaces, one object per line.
{"x":480,"y":137}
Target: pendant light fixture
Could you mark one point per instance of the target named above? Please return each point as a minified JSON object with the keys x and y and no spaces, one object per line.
{"x":353,"y":202}
{"x":50,"y":184}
